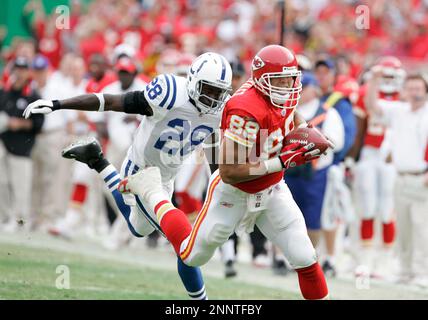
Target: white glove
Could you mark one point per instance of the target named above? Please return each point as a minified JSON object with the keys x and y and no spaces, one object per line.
{"x":39,"y":106}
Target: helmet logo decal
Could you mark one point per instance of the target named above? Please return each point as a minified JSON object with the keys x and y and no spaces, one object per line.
{"x":199,"y":69}
{"x":258,"y":63}
{"x":223,"y":68}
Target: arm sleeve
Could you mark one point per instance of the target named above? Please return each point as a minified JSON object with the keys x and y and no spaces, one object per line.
{"x":136,"y":103}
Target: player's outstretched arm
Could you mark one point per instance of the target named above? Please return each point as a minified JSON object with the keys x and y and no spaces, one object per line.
{"x":371,"y":97}
{"x":132,"y":102}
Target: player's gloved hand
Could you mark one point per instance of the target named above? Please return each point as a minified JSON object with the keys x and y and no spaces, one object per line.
{"x":40,"y":107}
{"x":294,"y":154}
{"x":123,"y":186}
{"x":330,"y":143}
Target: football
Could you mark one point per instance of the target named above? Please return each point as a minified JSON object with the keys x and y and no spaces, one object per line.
{"x":308,"y":135}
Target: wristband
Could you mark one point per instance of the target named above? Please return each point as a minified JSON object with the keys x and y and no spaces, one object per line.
{"x":100,"y":97}
{"x":273,"y":165}
{"x":56,"y":105}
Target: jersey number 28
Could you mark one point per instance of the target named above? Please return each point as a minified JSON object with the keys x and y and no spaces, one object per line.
{"x":154,"y":89}
{"x":176,"y":140}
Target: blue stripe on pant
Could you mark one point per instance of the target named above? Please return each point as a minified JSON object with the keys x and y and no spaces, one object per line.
{"x":135,"y":168}
{"x":309,"y":196}
{"x":124,"y":209}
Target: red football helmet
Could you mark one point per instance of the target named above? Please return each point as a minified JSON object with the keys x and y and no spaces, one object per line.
{"x":273,"y":62}
{"x":393,"y":74}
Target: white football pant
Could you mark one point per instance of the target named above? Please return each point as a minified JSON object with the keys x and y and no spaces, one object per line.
{"x":374,"y":183}
{"x":225,"y":209}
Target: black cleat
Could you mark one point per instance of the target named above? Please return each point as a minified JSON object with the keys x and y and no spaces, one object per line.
{"x":328,"y":269}
{"x":230,"y":270}
{"x":87,"y":151}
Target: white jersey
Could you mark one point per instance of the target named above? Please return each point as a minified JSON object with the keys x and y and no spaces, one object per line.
{"x":409,"y":134}
{"x":176,"y":128}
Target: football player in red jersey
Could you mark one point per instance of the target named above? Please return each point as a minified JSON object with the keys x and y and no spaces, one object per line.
{"x":374,"y":174}
{"x":248,"y":188}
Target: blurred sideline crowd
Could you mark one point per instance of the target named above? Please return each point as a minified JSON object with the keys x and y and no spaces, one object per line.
{"x":364,"y":206}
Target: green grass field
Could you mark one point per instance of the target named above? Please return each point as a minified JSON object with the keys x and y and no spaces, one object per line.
{"x":28,"y":265}
{"x":30,"y":273}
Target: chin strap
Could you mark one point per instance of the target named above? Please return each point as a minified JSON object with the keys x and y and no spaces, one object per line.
{"x":194,"y":104}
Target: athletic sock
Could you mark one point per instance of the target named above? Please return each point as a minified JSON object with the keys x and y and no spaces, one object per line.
{"x":173,"y":222}
{"x":367,"y":229}
{"x":192,"y":280}
{"x":312,"y":282}
{"x":79,"y":193}
{"x":388,"y":233}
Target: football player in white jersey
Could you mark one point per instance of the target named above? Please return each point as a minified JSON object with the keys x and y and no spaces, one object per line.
{"x":179,"y":113}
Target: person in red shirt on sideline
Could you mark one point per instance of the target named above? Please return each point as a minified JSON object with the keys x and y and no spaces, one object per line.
{"x":100,"y":75}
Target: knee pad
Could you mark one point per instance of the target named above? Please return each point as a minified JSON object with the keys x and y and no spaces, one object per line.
{"x":364,"y":171}
{"x":197,"y":259}
{"x":301,"y":253}
{"x":219,"y":234}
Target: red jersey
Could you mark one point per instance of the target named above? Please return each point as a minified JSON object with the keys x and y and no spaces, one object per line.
{"x":375,"y":131}
{"x":251,"y":120}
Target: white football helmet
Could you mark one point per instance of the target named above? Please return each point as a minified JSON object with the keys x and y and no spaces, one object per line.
{"x":209,"y":82}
